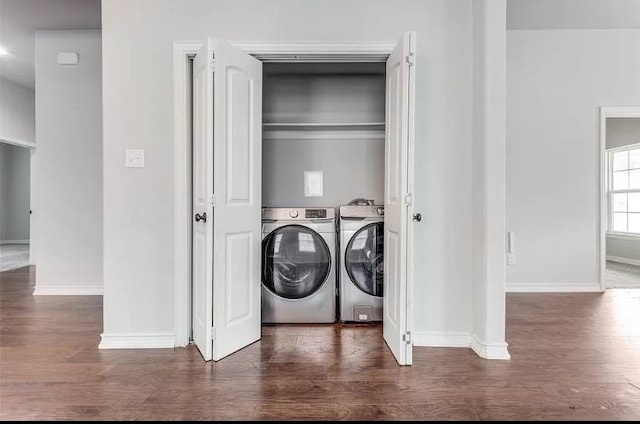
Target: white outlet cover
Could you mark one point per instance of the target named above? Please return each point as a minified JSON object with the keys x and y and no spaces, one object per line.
{"x":67,"y":58}
{"x":313,"y":184}
{"x":134,"y":158}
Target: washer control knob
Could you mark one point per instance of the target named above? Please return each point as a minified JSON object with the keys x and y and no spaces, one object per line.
{"x":380,"y":211}
{"x":293,"y":213}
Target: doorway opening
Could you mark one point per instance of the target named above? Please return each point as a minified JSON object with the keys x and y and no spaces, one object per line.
{"x":323,"y":149}
{"x":17,"y":165}
{"x":620,"y":198}
{"x":229,"y":89}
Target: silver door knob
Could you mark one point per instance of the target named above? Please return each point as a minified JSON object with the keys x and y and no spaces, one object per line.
{"x":417,"y":217}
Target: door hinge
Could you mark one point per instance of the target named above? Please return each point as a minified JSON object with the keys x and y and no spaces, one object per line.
{"x":410,"y":58}
{"x":213,"y":64}
{"x":213,"y":333}
{"x":406,"y":337}
{"x":408,"y":199}
{"x":212,"y":201}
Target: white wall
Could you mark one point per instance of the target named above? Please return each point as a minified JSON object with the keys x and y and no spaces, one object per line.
{"x":573,"y":14}
{"x":623,"y":132}
{"x":138,"y":112}
{"x":14,"y":193}
{"x":17,"y":112}
{"x":556,"y":82}
{"x":624,"y":250}
{"x":69,"y":164}
{"x":489,"y":71}
{"x":352,"y":168}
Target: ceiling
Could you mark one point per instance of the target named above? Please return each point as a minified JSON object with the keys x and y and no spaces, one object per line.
{"x":573,"y":14}
{"x":19,"y":19}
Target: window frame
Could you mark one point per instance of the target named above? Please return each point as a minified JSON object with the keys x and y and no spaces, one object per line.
{"x":611,"y":192}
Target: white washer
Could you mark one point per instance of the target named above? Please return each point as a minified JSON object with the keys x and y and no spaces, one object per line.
{"x":298,"y":266}
{"x":361,"y":263}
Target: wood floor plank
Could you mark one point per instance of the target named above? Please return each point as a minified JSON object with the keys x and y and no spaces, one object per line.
{"x":573,"y":356}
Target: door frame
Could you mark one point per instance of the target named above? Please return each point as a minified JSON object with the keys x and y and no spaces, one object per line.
{"x":183,"y":52}
{"x":607,"y":112}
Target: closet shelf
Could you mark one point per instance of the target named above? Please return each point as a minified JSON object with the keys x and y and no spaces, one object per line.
{"x":298,"y":126}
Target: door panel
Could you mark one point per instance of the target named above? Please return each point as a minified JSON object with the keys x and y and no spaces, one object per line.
{"x":202,"y":233}
{"x":239,"y":297}
{"x":239,"y":136}
{"x":237,"y":142}
{"x":397,"y":311}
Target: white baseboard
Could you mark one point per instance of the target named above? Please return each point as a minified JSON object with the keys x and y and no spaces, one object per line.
{"x":137,"y":341}
{"x":553,"y":288}
{"x":14,"y":241}
{"x":628,"y":261}
{"x":490,"y":350}
{"x":439,"y":339}
{"x":484,"y":350}
{"x":68,"y":291}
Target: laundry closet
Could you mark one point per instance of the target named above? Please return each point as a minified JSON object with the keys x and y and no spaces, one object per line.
{"x":302,"y":189}
{"x":322,"y":148}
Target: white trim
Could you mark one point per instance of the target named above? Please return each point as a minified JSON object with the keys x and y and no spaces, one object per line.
{"x":607,"y":112}
{"x":620,"y":111}
{"x":623,"y":148}
{"x":410,"y":251}
{"x":624,"y":236}
{"x":323,"y":135}
{"x":490,"y":350}
{"x":280,"y":51}
{"x":182,"y":51}
{"x":603,"y":202}
{"x":68,"y":291}
{"x":622,"y":260}
{"x":17,"y":142}
{"x":441,"y":339}
{"x":32,"y":207}
{"x":318,"y":51}
{"x":14,"y":242}
{"x":554,"y":288}
{"x":137,"y":341}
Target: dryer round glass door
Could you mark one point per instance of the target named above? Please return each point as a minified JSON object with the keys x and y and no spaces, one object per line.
{"x":364,"y":259}
{"x":295,"y":262}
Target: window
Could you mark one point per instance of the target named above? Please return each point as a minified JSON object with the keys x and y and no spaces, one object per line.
{"x":624,"y":190}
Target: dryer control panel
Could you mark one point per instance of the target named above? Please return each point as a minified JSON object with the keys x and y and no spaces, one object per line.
{"x":362,"y":211}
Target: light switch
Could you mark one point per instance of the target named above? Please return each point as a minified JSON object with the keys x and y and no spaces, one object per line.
{"x":134,"y":158}
{"x":312,"y":183}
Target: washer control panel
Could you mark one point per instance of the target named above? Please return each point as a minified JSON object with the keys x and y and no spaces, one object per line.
{"x":315,"y":213}
{"x":298,"y":214}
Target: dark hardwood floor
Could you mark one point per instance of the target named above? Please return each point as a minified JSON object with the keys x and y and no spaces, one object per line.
{"x":574,"y":356}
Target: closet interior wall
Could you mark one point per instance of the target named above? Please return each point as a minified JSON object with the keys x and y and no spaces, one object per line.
{"x":325,"y":117}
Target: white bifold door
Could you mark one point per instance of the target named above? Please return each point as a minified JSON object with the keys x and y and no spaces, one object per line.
{"x":227,"y":159}
{"x":398,"y":197}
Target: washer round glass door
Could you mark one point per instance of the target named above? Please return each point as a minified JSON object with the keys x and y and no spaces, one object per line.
{"x":295,"y":262}
{"x":364,"y":259}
